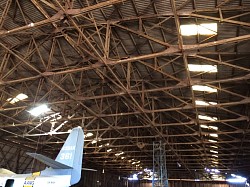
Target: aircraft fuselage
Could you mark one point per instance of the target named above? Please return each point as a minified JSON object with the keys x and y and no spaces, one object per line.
{"x":34,"y":181}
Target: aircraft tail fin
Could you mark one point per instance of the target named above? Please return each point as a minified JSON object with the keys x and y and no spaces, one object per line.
{"x":6,"y":172}
{"x":72,"y":152}
{"x":69,"y":159}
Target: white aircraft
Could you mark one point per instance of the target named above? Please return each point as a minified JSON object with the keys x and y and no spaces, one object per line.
{"x":64,"y":171}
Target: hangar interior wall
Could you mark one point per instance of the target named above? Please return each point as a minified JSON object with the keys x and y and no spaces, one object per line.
{"x":99,"y":179}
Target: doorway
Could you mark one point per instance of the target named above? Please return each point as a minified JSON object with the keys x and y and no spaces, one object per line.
{"x":9,"y":183}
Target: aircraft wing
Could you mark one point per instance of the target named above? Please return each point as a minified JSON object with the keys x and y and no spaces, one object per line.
{"x":48,"y":161}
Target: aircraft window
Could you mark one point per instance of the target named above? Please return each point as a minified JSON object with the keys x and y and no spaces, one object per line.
{"x":9,"y":183}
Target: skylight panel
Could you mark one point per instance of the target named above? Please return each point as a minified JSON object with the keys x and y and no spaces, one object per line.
{"x":109,"y":150}
{"x":207,"y":118}
{"x":207,"y":29}
{"x":202,"y":68}
{"x":214,"y":146}
{"x":189,"y":30}
{"x":89,"y":134}
{"x":213,"y":127}
{"x":204,"y":126}
{"x":209,"y":127}
{"x":118,"y":154}
{"x":204,"y":103}
{"x":213,"y":151}
{"x":39,"y":110}
{"x":202,"y":29}
{"x":203,"y":88}
{"x":19,"y":97}
{"x":214,"y":135}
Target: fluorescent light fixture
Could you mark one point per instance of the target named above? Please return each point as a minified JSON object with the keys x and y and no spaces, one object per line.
{"x":202,"y":29}
{"x":204,"y":103}
{"x":213,"y":151}
{"x":109,"y":150}
{"x":19,"y":97}
{"x":204,"y":88}
{"x":214,"y":135}
{"x":207,"y":118}
{"x":39,"y":110}
{"x":213,"y":141}
{"x":215,"y":162}
{"x":107,"y":144}
{"x":100,"y":146}
{"x":202,"y":68}
{"x":94,"y":141}
{"x":122,"y":157}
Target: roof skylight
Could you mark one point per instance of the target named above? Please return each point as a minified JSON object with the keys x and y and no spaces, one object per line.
{"x":213,"y":151}
{"x":201,"y":29}
{"x":203,"y":88}
{"x":209,"y":127}
{"x":89,"y":134}
{"x":213,"y":127}
{"x":39,"y":110}
{"x":213,"y":141}
{"x":204,"y":126}
{"x":118,"y":154}
{"x":204,"y":103}
{"x":214,"y":146}
{"x":214,"y":135}
{"x":202,"y":68}
{"x":19,"y":97}
{"x":207,"y":118}
{"x":109,"y":150}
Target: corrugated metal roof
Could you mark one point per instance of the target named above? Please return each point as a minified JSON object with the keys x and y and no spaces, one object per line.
{"x":140,"y":90}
